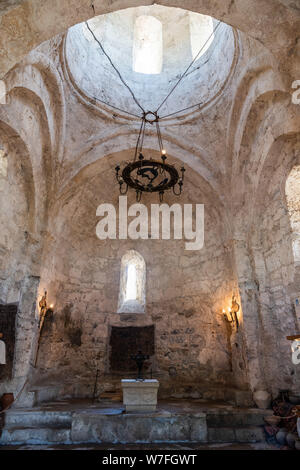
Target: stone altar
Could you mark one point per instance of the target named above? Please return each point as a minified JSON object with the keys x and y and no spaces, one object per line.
{"x":140,"y":395}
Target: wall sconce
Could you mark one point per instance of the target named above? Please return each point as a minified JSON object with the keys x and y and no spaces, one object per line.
{"x":44,"y":309}
{"x":231,"y":316}
{"x":295,"y":347}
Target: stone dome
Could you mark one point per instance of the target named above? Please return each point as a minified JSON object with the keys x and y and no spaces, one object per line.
{"x":151,"y":47}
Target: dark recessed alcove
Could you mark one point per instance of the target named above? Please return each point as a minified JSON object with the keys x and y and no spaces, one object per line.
{"x":8,"y":328}
{"x":127,"y":341}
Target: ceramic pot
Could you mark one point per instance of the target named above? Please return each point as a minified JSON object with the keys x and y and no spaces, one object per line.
{"x":272,"y":420}
{"x":281,"y":437}
{"x":294,"y":399}
{"x":262,"y":399}
{"x":290,"y":440}
{"x":6,"y":400}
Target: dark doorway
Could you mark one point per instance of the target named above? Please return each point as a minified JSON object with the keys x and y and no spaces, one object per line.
{"x":127,"y":341}
{"x":8,"y":328}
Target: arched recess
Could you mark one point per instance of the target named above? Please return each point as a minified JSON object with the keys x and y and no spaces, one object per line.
{"x":271,"y":117}
{"x":39,"y":75}
{"x":274,"y":271}
{"x":199,"y":159}
{"x":90,"y":159}
{"x":257,"y":80}
{"x":89,"y":272}
{"x":32,"y":126}
{"x":18,"y":213}
{"x":292,"y":191}
{"x":19,"y":249}
{"x":14,"y":144}
{"x":28,"y":141}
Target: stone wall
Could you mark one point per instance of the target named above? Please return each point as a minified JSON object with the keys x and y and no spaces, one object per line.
{"x":185,"y":294}
{"x":276,"y":277}
{"x":238,"y":147}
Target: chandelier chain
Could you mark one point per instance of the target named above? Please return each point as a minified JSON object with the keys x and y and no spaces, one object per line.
{"x":115,"y":68}
{"x":188,"y":68}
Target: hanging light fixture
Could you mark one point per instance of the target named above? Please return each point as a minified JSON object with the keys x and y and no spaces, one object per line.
{"x":148,"y":175}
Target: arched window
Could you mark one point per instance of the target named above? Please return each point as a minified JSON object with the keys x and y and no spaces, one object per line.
{"x":292,"y":191}
{"x":132,"y":283}
{"x":131,"y":289}
{"x":147,"y":45}
{"x":201,"y":27}
{"x":2,"y":92}
{"x":3,"y":163}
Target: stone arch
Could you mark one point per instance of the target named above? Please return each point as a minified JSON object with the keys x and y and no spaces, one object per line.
{"x":10,"y":137}
{"x":255,"y":82}
{"x":292,"y":191}
{"x":265,"y":125}
{"x":40,"y":151}
{"x":263,"y":256}
{"x":37,"y":74}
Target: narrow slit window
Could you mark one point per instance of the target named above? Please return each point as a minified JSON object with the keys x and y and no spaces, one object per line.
{"x":201,"y":33}
{"x":147,"y":45}
{"x":132,"y":283}
{"x":292,"y":191}
{"x":131,"y":288}
{"x":2,"y":92}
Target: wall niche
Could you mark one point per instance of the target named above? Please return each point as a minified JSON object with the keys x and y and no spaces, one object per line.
{"x":8,"y":328}
{"x":127,"y":341}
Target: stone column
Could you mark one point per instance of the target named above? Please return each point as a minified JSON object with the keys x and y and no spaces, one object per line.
{"x":26,"y":326}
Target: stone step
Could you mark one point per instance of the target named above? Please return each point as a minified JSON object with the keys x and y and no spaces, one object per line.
{"x":46,"y":394}
{"x":35,"y":435}
{"x":43,"y":418}
{"x":240,"y":417}
{"x":240,"y":434}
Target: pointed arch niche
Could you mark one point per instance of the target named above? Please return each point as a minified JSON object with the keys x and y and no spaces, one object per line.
{"x":292,"y":191}
{"x":132,"y":295}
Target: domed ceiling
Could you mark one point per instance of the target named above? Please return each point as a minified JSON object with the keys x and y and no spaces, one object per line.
{"x":151,"y":47}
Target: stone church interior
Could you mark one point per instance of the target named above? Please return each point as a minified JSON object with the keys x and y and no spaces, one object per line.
{"x":139,"y":340}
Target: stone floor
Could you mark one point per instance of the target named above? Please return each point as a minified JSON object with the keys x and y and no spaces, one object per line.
{"x":177,"y":424}
{"x":172,"y":405}
{"x":149,"y":447}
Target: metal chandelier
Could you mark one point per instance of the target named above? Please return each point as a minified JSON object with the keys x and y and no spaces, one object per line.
{"x":146,"y":175}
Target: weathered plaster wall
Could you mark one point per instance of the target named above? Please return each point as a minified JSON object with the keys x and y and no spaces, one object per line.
{"x":14,"y":225}
{"x":275,"y":268}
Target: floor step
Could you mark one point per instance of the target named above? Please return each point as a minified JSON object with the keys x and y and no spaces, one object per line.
{"x":35,"y":435}
{"x":242,"y":417}
{"x":18,"y":417}
{"x":240,"y":434}
{"x":112,"y":396}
